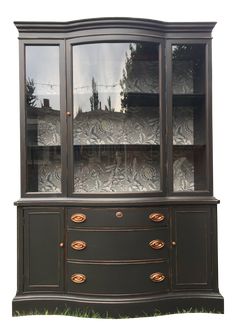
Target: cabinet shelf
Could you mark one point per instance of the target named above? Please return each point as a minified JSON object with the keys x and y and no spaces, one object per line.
{"x":188,"y":147}
{"x":188,"y":99}
{"x":51,"y":147}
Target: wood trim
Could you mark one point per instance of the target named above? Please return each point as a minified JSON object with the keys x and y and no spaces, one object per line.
{"x":142,"y":201}
{"x":113,"y":22}
{"x":162,"y":117}
{"x":63,"y":102}
{"x":70,"y":153}
{"x":22,"y":117}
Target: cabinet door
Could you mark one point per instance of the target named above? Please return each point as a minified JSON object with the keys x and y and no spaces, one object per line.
{"x":43,"y":145}
{"x":115,"y":130}
{"x":43,"y":256}
{"x":189,"y":101}
{"x":192,"y":253}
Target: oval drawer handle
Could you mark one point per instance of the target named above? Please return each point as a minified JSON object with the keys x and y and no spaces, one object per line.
{"x":78,"y":218}
{"x":157,"y":277}
{"x":156,"y":244}
{"x":78,"y":245}
{"x":156,"y":216}
{"x":78,"y":278}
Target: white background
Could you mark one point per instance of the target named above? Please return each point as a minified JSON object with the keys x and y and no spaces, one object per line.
{"x":224,"y":114}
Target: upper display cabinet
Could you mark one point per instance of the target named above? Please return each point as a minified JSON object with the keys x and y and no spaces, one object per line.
{"x":115,"y":107}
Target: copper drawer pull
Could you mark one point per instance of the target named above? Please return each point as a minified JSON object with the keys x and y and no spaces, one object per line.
{"x":78,"y":245}
{"x":156,"y":244}
{"x":156,"y":217}
{"x":157,"y":277}
{"x":78,"y":218}
{"x":78,"y":278}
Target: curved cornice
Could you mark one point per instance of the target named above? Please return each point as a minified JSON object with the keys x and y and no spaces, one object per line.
{"x":116,"y":22}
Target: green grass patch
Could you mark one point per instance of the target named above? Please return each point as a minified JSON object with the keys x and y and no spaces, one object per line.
{"x":93,"y":314}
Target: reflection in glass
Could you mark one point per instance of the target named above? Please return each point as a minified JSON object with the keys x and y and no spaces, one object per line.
{"x":189,"y":144}
{"x":116,"y":103}
{"x":188,"y":68}
{"x":43,"y":119}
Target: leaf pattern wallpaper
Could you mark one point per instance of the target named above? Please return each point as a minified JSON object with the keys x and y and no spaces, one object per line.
{"x":117,"y":128}
{"x":118,"y":171}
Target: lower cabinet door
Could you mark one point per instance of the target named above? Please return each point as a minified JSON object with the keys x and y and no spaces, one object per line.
{"x":191,"y":233}
{"x":120,"y":278}
{"x":43,"y":252}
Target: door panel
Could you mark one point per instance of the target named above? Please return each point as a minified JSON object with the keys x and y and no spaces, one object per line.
{"x":191,"y":255}
{"x":43,"y":256}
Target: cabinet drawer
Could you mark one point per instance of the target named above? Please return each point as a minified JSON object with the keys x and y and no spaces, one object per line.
{"x":118,"y":245}
{"x":113,"y":279}
{"x":117,"y":217}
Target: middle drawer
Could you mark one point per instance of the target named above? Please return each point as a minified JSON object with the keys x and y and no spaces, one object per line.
{"x":117,"y":245}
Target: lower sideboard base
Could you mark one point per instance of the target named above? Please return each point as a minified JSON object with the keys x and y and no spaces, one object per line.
{"x":118,"y":307}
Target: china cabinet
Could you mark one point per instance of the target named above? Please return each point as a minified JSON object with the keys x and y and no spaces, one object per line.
{"x":117,"y":214}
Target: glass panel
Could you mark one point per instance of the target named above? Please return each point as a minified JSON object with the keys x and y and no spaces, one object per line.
{"x":116,"y":129}
{"x":43,"y":119}
{"x":189,"y":135}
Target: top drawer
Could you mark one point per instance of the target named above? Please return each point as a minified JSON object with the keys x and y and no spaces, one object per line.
{"x":117,"y":217}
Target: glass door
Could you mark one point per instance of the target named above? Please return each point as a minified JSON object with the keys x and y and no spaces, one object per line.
{"x":43,"y":127}
{"x":116,"y":124}
{"x":189,"y":153}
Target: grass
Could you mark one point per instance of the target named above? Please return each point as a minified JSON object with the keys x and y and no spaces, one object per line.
{"x":92,"y":314}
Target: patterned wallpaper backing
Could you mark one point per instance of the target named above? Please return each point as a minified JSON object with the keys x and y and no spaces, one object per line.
{"x":130,"y":170}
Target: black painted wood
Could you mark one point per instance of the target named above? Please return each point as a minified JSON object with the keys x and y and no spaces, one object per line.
{"x":120,"y":307}
{"x":107,"y":217}
{"x":113,"y":279}
{"x":111,"y":244}
{"x":192,"y":265}
{"x":125,"y":201}
{"x":151,"y":26}
{"x":43,"y":256}
{"x":117,"y":260}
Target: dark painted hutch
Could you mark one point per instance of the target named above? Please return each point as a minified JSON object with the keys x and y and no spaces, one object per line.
{"x":117,"y":214}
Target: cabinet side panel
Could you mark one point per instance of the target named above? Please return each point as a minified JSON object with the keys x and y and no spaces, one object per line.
{"x":192,"y":253}
{"x":43,"y":255}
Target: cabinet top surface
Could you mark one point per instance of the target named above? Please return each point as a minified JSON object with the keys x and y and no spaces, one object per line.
{"x":113,"y":22}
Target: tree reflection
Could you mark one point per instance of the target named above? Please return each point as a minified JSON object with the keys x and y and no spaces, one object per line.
{"x":94,"y":101}
{"x":188,"y":68}
{"x":137,"y":77}
{"x":30,"y":97}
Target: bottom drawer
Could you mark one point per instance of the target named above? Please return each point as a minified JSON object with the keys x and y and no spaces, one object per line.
{"x":125,"y":278}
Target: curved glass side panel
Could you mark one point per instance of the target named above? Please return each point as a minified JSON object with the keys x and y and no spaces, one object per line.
{"x":42,"y":101}
{"x":116,"y":128}
{"x":189,"y":117}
